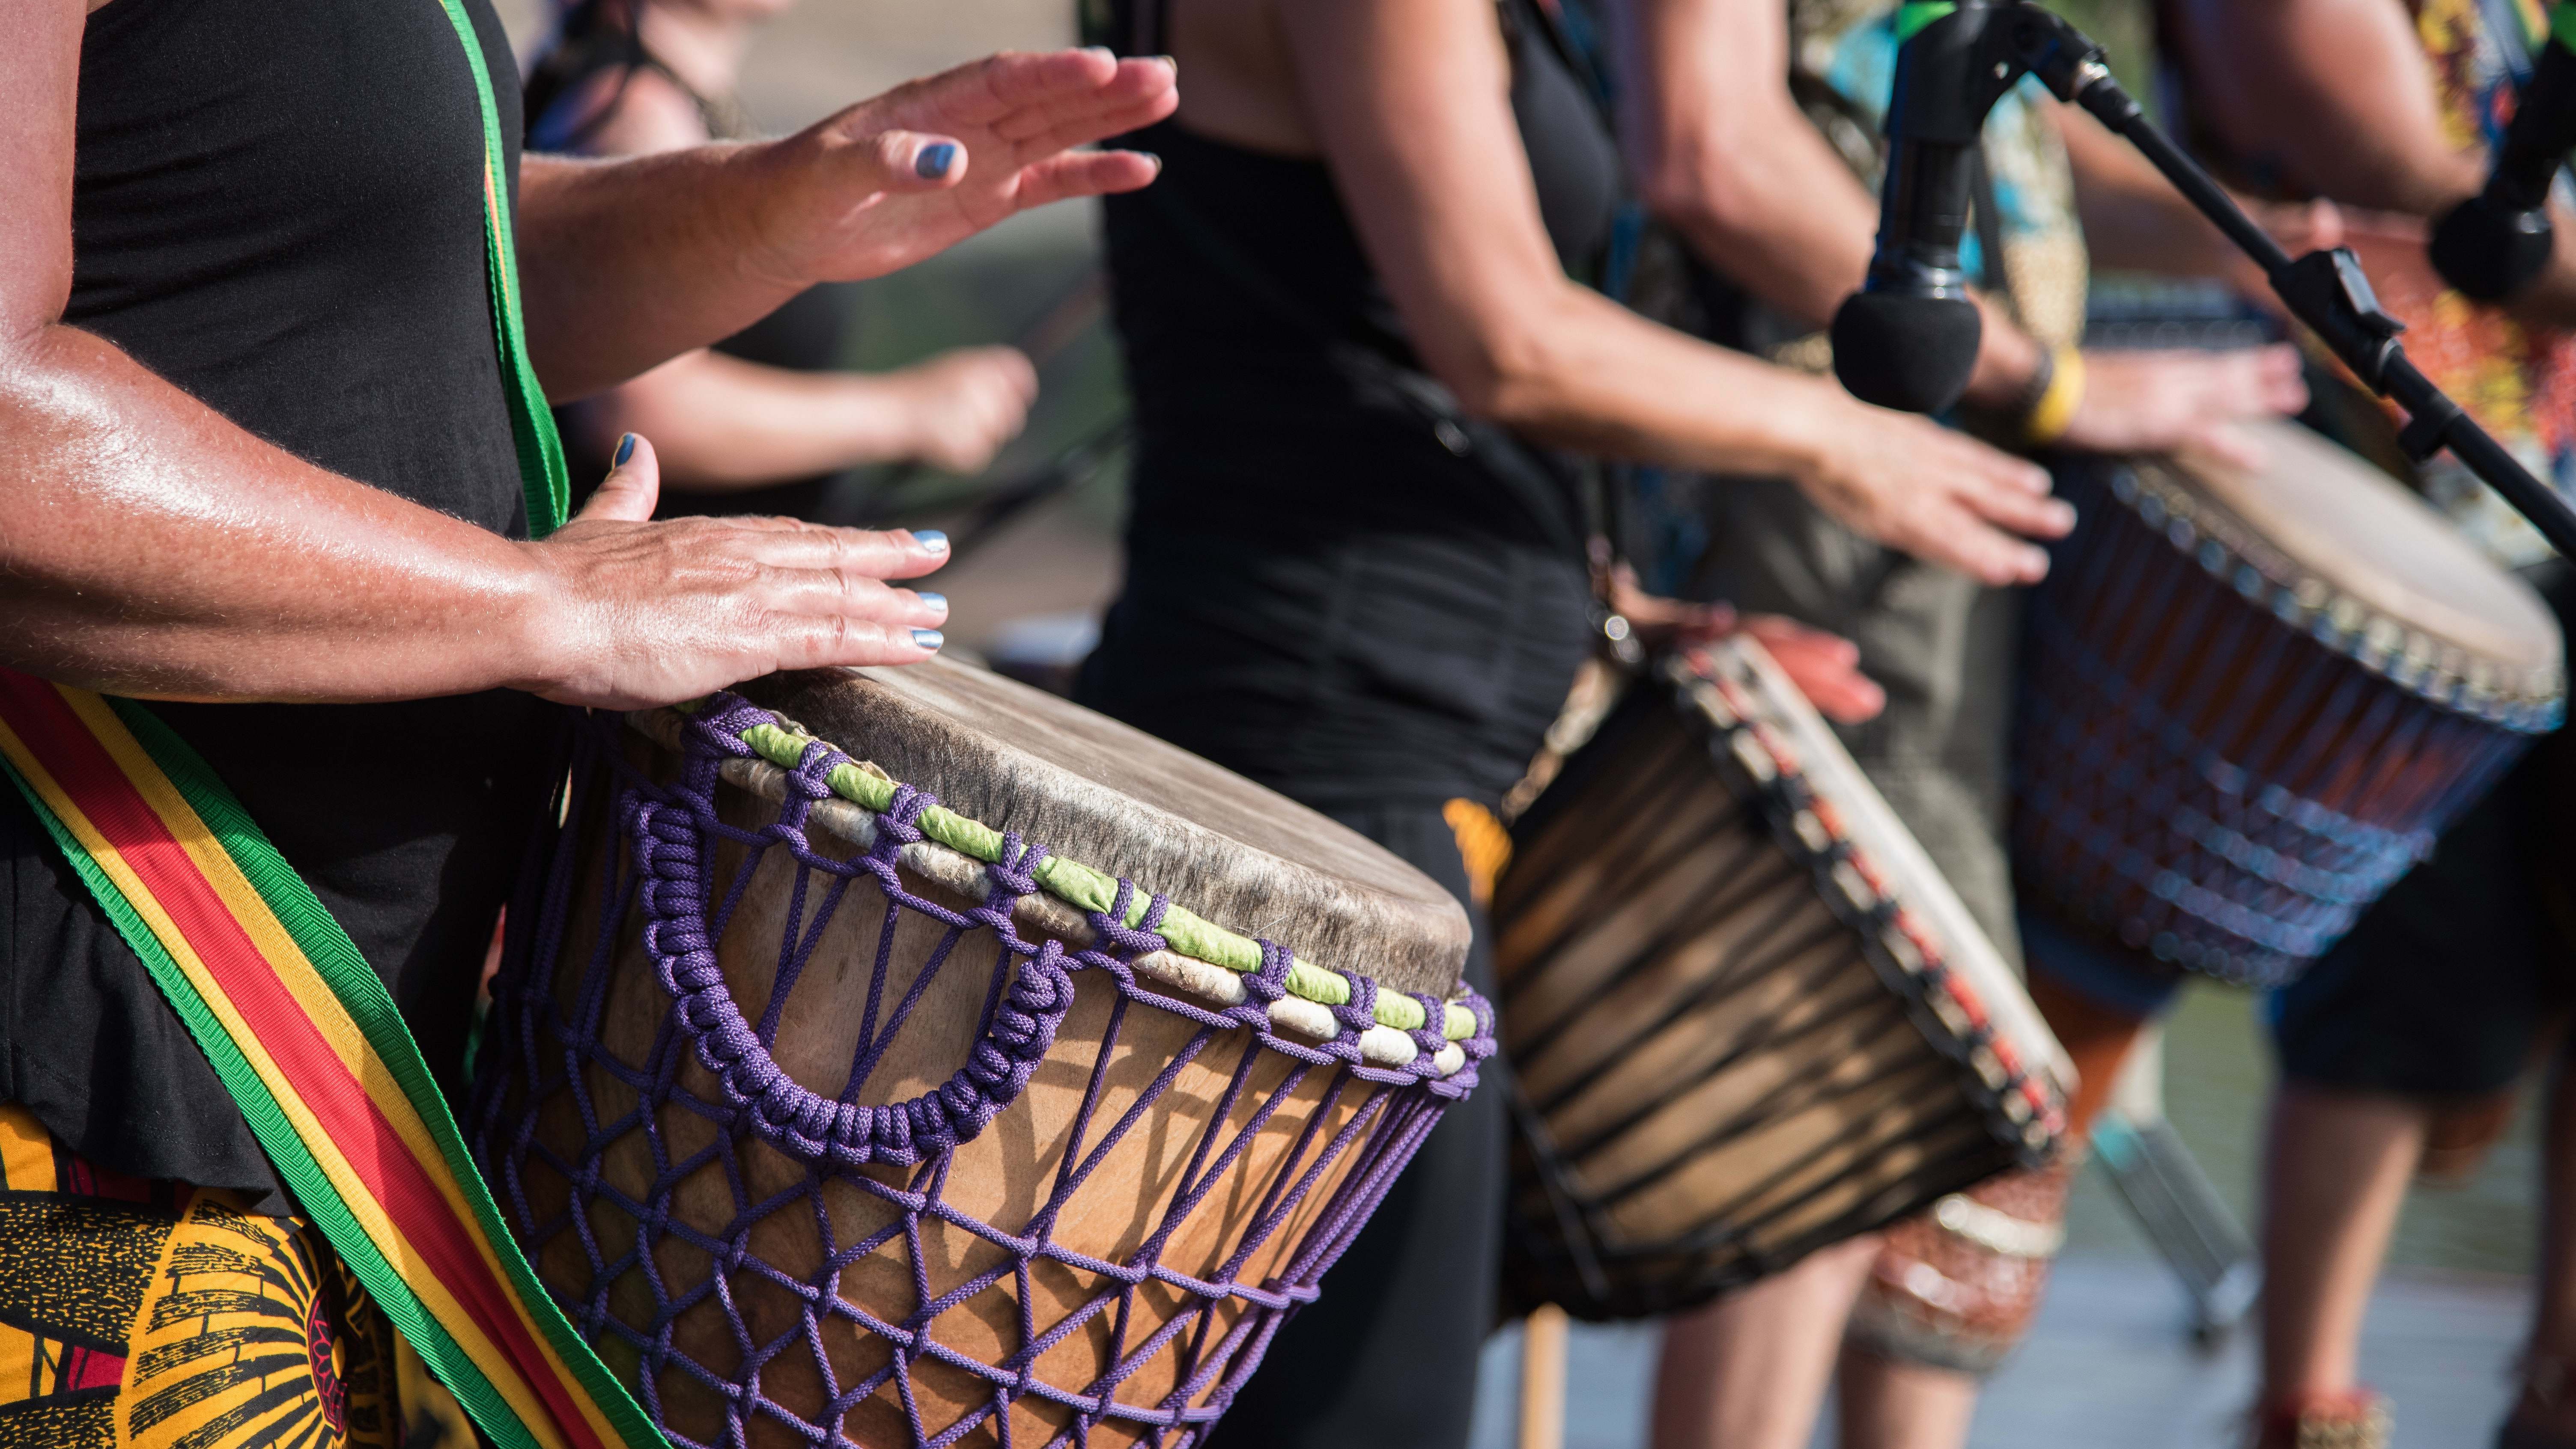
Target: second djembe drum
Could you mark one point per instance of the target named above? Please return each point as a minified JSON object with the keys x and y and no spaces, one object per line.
{"x":2252,"y":696}
{"x":834,"y":1115}
{"x":1745,"y":1016}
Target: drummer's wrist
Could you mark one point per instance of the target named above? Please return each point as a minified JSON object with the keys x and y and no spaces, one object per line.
{"x":2007,"y":359}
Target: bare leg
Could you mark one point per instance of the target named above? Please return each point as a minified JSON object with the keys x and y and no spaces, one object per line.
{"x":1890,"y":1405}
{"x":1749,"y":1371}
{"x":2338,"y":1168}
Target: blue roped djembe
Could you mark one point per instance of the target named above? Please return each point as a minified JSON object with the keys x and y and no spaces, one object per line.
{"x":837,"y":1116}
{"x":2251,"y":697}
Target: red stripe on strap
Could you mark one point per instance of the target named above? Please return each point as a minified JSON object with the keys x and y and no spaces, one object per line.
{"x":357,"y":1127}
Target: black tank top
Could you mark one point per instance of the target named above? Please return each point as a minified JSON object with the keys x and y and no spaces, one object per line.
{"x":278,"y":207}
{"x":1337,"y":583}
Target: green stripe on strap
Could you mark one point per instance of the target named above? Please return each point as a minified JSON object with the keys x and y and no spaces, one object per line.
{"x":542,"y":475}
{"x":1916,"y":14}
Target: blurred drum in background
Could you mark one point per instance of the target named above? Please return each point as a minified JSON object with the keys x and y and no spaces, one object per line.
{"x":2250,"y":699}
{"x":832,"y":1114}
{"x":1745,"y":1015}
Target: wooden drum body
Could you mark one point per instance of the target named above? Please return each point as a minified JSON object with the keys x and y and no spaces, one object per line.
{"x":1745,"y":1016}
{"x":835,"y":1118}
{"x":2252,"y":697}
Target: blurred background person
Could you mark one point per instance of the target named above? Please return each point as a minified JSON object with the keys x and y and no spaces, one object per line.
{"x":2402,"y":1050}
{"x":767,"y":420}
{"x":1755,"y":128}
{"x":1365,"y":360}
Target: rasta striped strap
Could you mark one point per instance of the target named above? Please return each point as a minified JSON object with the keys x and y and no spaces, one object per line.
{"x":305,"y":1035}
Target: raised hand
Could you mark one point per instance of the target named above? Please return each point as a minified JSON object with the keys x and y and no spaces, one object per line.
{"x":2155,"y":401}
{"x":631,"y":613}
{"x":895,"y":179}
{"x":1914,"y":485}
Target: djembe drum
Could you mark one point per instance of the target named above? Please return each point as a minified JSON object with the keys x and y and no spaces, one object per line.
{"x":2252,"y":697}
{"x":837,"y":1116}
{"x":1745,"y":1016}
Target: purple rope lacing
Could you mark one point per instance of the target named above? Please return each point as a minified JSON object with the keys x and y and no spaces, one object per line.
{"x":538,"y":1050}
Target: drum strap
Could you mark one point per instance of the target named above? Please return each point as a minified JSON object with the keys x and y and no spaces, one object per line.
{"x":304,"y":1034}
{"x":294,"y":1020}
{"x":542,"y":475}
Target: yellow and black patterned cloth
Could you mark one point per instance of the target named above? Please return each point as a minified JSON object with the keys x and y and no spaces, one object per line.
{"x":160,"y":1316}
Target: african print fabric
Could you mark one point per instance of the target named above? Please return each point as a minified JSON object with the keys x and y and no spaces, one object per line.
{"x":2518,"y":381}
{"x":161,"y":1316}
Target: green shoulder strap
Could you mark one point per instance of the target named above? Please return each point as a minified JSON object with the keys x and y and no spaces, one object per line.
{"x":532,"y":425}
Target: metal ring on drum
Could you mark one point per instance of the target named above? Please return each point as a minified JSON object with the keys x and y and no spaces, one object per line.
{"x":836,"y":1115}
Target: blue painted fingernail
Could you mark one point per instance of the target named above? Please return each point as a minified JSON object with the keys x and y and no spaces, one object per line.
{"x":625,"y":450}
{"x":936,"y":601}
{"x":931,"y":539}
{"x":926,"y":638}
{"x":934,"y":160}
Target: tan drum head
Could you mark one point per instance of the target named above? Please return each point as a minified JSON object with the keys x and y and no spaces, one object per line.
{"x":2355,"y":531}
{"x":1119,"y":800}
{"x":1889,"y":852}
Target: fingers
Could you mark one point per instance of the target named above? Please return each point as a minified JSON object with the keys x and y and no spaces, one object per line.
{"x":856,"y":552}
{"x":633,"y":485}
{"x":1087,"y":173}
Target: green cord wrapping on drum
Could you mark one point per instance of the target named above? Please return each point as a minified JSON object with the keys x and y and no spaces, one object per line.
{"x":1185,"y":931}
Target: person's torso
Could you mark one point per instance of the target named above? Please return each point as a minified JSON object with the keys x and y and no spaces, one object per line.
{"x":1366,"y":588}
{"x":278,"y":208}
{"x":2517,"y":381}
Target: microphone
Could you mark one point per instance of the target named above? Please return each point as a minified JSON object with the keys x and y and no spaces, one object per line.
{"x":2492,"y":245}
{"x":1908,"y":339}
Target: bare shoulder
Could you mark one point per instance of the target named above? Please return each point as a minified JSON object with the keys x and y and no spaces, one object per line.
{"x":634,"y":113}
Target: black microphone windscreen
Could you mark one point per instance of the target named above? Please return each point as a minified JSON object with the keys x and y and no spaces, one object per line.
{"x":2490,"y":250}
{"x":1912,"y":353}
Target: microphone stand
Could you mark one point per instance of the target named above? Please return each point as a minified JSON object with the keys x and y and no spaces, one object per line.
{"x":2324,"y":289}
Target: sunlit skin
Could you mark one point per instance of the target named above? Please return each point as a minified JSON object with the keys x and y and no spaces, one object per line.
{"x":1727,"y":156}
{"x":1407,"y":100}
{"x":721,"y":422}
{"x":150,"y":547}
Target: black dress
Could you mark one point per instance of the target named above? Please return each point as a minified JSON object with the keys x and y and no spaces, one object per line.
{"x":278,"y":207}
{"x":1342,"y":587}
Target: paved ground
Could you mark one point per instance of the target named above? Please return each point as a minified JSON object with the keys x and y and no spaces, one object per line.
{"x":2109,"y":1368}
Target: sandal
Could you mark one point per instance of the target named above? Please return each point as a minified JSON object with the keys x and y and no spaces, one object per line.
{"x":2354,"y":1418}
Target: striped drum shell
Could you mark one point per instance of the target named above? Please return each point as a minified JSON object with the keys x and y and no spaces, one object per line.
{"x":1746,"y":1017}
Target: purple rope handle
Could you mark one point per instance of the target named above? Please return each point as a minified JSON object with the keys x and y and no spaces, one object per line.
{"x":670,"y":856}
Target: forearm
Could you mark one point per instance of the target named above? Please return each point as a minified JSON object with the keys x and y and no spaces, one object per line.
{"x":1727,"y":158}
{"x":722,"y":423}
{"x":1587,"y":374}
{"x":153,"y":549}
{"x":1733,"y":165}
{"x":627,"y":264}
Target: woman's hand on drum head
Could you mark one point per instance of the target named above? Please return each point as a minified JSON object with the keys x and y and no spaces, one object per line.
{"x":896,"y":179}
{"x":1940,"y":495}
{"x":628,"y":613}
{"x":2151,"y":401}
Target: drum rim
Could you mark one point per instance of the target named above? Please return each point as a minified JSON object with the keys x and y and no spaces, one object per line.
{"x":1910,"y":952}
{"x":1201,"y":957}
{"x":2204,"y":531}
